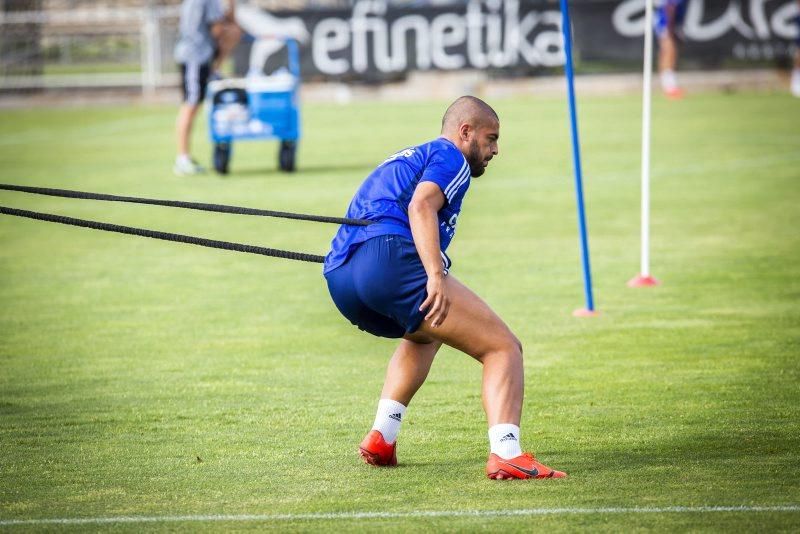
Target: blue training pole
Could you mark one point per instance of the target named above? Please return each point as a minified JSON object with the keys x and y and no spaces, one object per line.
{"x":576,"y":156}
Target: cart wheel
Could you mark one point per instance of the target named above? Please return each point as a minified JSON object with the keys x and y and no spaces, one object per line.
{"x":286,"y":155}
{"x":222,"y":156}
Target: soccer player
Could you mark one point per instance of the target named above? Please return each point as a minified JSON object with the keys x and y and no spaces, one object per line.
{"x":668,"y":21}
{"x":208,"y":33}
{"x":391,"y":279}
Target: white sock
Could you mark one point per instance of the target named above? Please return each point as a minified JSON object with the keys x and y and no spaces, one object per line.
{"x":183,"y":158}
{"x":796,"y":81}
{"x":504,"y":441}
{"x":388,"y":419}
{"x":669,"y":81}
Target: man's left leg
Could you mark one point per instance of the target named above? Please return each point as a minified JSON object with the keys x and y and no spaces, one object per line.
{"x":472,"y":327}
{"x":183,"y":126}
{"x":194,"y":78}
{"x":405,"y":374}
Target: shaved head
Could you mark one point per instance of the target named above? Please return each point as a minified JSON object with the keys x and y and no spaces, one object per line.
{"x":472,"y":126}
{"x":467,"y":110}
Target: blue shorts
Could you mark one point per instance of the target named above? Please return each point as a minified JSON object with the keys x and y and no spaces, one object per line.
{"x":381,"y":286}
{"x":661,"y":19}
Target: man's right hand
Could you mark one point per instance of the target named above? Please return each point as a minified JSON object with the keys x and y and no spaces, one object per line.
{"x":437,"y":303}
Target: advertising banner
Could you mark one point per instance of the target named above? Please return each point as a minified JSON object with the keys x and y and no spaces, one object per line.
{"x":374,"y":41}
{"x":712,"y":31}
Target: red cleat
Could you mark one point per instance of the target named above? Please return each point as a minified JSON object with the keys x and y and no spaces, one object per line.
{"x":375,"y":451}
{"x":523,"y":466}
{"x":676,"y":93}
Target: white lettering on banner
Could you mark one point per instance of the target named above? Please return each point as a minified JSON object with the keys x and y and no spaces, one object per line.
{"x":628,"y":20}
{"x":783,"y":21}
{"x":475,"y":22}
{"x":624,"y":20}
{"x":547,"y":49}
{"x":330,"y":35}
{"x":362,"y":25}
{"x":489,"y":33}
{"x":400,"y":28}
{"x":447,"y":30}
{"x":494,"y":30}
{"x":695,"y":30}
{"x":759,"y":18}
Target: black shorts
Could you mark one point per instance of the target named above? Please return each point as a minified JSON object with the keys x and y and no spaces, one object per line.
{"x":194,"y":80}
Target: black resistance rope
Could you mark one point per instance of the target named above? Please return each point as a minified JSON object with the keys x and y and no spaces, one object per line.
{"x":179,"y":204}
{"x":225,"y":245}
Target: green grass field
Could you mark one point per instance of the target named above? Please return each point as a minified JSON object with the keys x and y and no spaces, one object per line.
{"x":146,"y":379}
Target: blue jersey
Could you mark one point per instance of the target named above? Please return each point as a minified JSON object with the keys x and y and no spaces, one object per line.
{"x":385,"y":194}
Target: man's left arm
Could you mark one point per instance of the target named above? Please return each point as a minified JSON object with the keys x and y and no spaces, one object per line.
{"x":220,"y":13}
{"x":224,"y":30}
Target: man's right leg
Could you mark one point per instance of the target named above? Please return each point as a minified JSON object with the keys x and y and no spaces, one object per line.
{"x":409,"y":368}
{"x":472,"y":327}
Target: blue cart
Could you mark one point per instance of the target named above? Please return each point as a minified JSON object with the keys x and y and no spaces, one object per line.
{"x":257,"y":107}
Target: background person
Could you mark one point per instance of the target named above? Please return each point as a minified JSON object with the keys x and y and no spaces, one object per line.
{"x":207,"y":35}
{"x":668,"y":22}
{"x":391,"y":279}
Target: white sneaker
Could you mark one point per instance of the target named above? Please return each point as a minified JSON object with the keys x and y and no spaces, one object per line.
{"x":187,"y":167}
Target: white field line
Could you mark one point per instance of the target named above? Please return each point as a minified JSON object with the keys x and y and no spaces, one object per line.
{"x":399,"y":515}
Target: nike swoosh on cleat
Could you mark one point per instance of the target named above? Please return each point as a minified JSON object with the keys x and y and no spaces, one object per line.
{"x":530,"y":472}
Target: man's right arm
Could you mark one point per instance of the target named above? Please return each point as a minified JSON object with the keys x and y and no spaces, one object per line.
{"x":423,"y":218}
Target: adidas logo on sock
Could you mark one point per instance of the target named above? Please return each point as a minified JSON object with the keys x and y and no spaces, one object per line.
{"x":508,"y":437}
{"x":397,"y":417}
